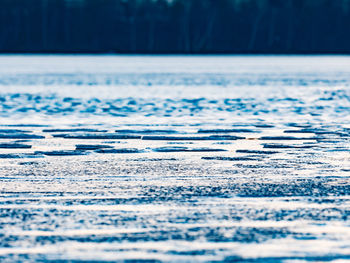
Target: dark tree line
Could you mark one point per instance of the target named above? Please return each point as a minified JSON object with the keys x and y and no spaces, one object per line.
{"x":175,"y":26}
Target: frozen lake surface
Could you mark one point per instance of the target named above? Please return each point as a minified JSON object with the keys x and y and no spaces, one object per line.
{"x":171,"y":158}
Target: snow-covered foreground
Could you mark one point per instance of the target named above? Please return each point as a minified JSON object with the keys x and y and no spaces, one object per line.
{"x":117,"y":158}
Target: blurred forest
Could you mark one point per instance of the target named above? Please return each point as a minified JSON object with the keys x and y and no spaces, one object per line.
{"x":175,"y":26}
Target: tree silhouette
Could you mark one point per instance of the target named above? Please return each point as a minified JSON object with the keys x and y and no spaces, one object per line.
{"x":175,"y":26}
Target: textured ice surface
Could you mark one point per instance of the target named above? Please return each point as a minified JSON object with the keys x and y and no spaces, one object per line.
{"x":116,"y":158}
